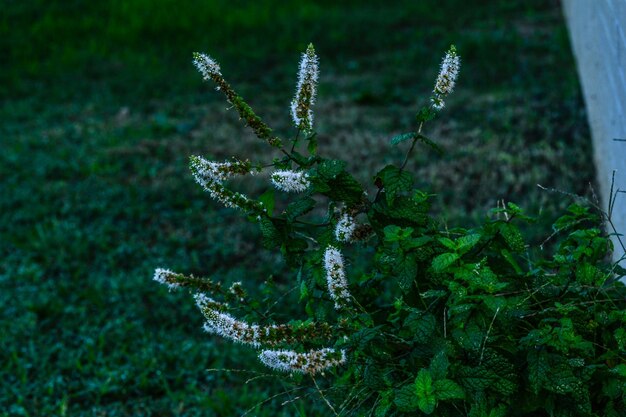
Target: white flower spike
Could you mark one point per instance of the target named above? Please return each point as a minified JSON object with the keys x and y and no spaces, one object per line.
{"x":207,"y":66}
{"x":336,"y":277}
{"x":344,"y":230}
{"x":446,"y":79}
{"x":161,"y":275}
{"x":290,"y":181}
{"x":306,"y":90}
{"x":310,"y":362}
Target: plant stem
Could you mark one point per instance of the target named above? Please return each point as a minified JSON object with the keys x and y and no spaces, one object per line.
{"x":408,"y":154}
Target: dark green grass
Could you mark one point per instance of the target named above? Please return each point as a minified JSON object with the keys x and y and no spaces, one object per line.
{"x":100,"y":108}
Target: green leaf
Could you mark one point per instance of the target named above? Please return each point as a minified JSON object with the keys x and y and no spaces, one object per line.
{"x":561,"y":379}
{"x":395,"y":233}
{"x":538,"y":369}
{"x":271,"y":235}
{"x":408,"y":209}
{"x":443,"y":261}
{"x":465,"y":243}
{"x":312,"y":145}
{"x":304,"y":291}
{"x":477,"y":379}
{"x":420,"y":326}
{"x":402,"y":138}
{"x":394,"y":181}
{"x":425,"y":114}
{"x":345,"y":188}
{"x":448,"y":243}
{"x":383,"y":405}
{"x":447,"y":389}
{"x":405,"y":398}
{"x":268,"y":200}
{"x":513,"y":237}
{"x":439,"y":365}
{"x":373,"y":376}
{"x":406,"y":271}
{"x":620,"y":370}
{"x":426,"y":400}
{"x":330,"y":169}
{"x":363,"y":338}
{"x":299,"y":207}
{"x":428,"y":142}
{"x":620,"y":337}
{"x":511,"y":260}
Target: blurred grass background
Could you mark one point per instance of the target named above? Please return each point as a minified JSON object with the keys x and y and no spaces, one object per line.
{"x":101,"y":107}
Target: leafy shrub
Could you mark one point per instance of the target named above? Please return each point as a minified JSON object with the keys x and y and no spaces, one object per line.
{"x":416,"y":319}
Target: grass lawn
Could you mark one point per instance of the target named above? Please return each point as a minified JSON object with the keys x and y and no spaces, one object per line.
{"x":101,"y":107}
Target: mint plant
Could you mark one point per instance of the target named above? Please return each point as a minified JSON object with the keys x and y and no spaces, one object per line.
{"x":459,"y":322}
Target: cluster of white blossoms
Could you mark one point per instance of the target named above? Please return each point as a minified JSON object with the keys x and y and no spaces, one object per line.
{"x":290,"y":181}
{"x":306,"y":89}
{"x":446,"y":79}
{"x":161,"y":276}
{"x":225,"y":325}
{"x":336,"y":277}
{"x":210,"y":174}
{"x":345,"y":228}
{"x":310,"y":362}
{"x":219,"y":171}
{"x":207,"y":66}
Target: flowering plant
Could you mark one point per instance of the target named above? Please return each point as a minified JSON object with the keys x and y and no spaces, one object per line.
{"x":401,"y":316}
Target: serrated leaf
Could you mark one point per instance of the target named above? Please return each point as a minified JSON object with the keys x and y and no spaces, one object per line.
{"x":405,"y":398}
{"x":364,"y":337}
{"x":561,"y":379}
{"x":439,"y":365}
{"x":408,"y":209}
{"x":465,"y":243}
{"x":425,"y":114}
{"x":426,"y":400}
{"x":406,"y":270}
{"x":448,"y":243}
{"x":299,"y":207}
{"x":538,"y":368}
{"x":443,"y":261}
{"x":373,"y":377}
{"x":394,"y":181}
{"x":420,"y":326}
{"x":513,"y":237}
{"x":331,"y":168}
{"x":402,"y":138}
{"x":507,"y":375}
{"x":345,"y":188}
{"x":477,"y":379}
{"x":446,"y":389}
{"x":430,"y":143}
{"x":271,"y":235}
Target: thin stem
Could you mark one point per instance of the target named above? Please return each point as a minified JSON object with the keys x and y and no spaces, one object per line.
{"x":295,"y":141}
{"x":324,"y":397}
{"x":408,"y":154}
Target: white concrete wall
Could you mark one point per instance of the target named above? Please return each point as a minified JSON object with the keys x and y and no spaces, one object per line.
{"x":597,"y":31}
